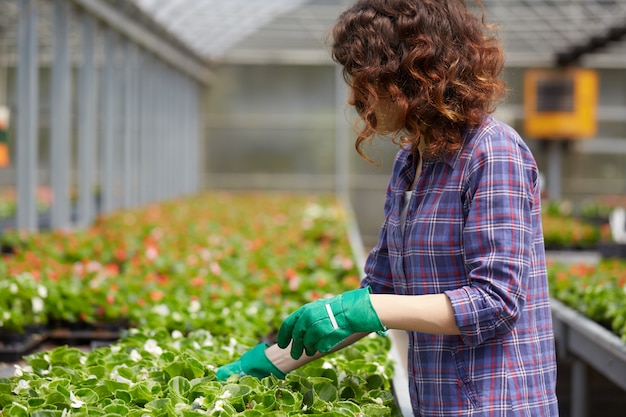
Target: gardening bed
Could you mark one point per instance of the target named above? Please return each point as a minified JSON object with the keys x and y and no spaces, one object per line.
{"x":198,"y":281}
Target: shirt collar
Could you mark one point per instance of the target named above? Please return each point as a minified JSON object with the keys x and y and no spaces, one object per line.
{"x":453,"y":158}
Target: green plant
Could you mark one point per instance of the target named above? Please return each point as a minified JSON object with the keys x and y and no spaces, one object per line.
{"x":161,"y":373}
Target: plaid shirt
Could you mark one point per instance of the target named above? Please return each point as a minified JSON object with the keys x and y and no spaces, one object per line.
{"x":473,"y":231}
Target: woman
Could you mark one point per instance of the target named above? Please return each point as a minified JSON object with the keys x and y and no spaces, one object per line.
{"x":460,"y":261}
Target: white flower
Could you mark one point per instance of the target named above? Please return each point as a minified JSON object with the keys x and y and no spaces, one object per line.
{"x":75,"y":401}
{"x":378,"y":401}
{"x":379,"y":368}
{"x":226,"y":395}
{"x":229,"y":349}
{"x":6,"y":315}
{"x":22,"y":385}
{"x":181,"y":406}
{"x":37,"y":304}
{"x":42,"y":291}
{"x":83,"y":360}
{"x":116,"y":349}
{"x":314,"y":211}
{"x":219,"y":406}
{"x":152,"y":347}
{"x":176,"y":345}
{"x":177,"y":334}
{"x":198,"y":401}
{"x":135,"y":356}
{"x":327,"y":365}
{"x":144,"y":374}
{"x":176,"y":316}
{"x":252,"y":310}
{"x":161,"y":309}
{"x":66,"y":412}
{"x":13,"y":288}
{"x":117,"y":377}
{"x":19,"y":370}
{"x":194,"y":306}
{"x":196,"y":345}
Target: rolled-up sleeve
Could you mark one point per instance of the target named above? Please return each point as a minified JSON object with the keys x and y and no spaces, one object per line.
{"x":497,"y":239}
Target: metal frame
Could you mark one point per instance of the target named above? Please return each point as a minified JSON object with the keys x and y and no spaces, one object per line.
{"x":27,"y":115}
{"x":137,"y":117}
{"x":587,"y":343}
{"x":293,"y":31}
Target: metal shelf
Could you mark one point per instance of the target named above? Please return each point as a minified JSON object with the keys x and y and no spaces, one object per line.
{"x":590,"y":342}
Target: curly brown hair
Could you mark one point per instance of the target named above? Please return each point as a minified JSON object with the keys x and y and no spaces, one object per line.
{"x":435,"y":60}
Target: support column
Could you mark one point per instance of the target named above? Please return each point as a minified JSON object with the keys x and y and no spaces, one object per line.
{"x":60,"y":111}
{"x":110,"y":96}
{"x":579,"y":388}
{"x":27,"y":117}
{"x":87,"y":124}
{"x":555,"y":169}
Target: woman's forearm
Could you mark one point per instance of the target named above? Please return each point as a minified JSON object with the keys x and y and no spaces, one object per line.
{"x":283,"y":360}
{"x":431,"y":313}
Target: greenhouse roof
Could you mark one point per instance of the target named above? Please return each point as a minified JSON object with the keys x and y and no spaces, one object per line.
{"x":534,"y":32}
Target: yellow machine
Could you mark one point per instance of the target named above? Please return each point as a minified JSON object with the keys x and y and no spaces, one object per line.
{"x":560,"y":103}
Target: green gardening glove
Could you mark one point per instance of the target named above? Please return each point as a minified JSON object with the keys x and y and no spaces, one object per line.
{"x":323,"y":324}
{"x":254,"y":362}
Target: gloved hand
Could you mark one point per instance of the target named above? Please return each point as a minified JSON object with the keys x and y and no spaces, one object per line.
{"x":254,"y":362}
{"x":323,"y":324}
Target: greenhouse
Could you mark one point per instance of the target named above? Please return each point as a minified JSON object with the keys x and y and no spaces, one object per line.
{"x":179,"y":180}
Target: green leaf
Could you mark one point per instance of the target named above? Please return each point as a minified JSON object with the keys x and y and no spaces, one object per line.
{"x":123,"y":395}
{"x":98,"y":371}
{"x":265,"y":402}
{"x":15,"y":410}
{"x":6,"y":399}
{"x":325,"y":390}
{"x":179,"y":385}
{"x":347,"y":393}
{"x":347,"y":406}
{"x":6,"y":388}
{"x":38,"y":364}
{"x":58,"y":400}
{"x":35,"y":402}
{"x":194,"y":366}
{"x":115,"y":385}
{"x":87,"y":395}
{"x":46,"y":413}
{"x":140,"y":394}
{"x":308,"y":398}
{"x":103,"y":391}
{"x":158,"y":404}
{"x":374,"y":381}
{"x":288,"y":401}
{"x":117,"y":409}
{"x":374,"y":410}
{"x":252,"y":413}
{"x":174,"y":369}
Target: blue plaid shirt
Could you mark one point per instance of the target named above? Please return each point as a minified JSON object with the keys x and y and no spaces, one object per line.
{"x":473,"y":231}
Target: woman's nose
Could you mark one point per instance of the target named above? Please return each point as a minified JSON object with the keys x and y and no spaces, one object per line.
{"x":351,"y":100}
